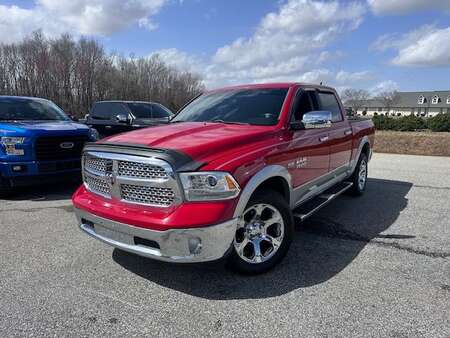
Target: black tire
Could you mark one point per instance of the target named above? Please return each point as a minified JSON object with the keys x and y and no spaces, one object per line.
{"x":5,"y":188}
{"x":273,"y":201}
{"x":359,"y":186}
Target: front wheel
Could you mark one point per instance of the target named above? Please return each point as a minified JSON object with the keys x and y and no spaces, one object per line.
{"x":263,"y":235}
{"x":359,"y":177}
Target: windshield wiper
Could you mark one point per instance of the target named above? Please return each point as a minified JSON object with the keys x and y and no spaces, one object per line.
{"x":228,"y":122}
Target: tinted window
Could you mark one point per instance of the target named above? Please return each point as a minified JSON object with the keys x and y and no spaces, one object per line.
{"x":160,"y":112}
{"x":17,"y":109}
{"x":305,"y":103}
{"x":253,"y":106}
{"x":141,"y":110}
{"x":108,"y":110}
{"x":329,"y":102}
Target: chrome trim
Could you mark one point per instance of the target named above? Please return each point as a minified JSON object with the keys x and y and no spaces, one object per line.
{"x":191,"y":245}
{"x":261,"y":176}
{"x":171,"y":181}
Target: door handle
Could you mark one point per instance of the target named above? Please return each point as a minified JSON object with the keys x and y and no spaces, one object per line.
{"x":324,"y":138}
{"x":348,"y":132}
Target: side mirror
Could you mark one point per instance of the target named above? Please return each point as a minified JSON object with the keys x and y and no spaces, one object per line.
{"x":314,"y":120}
{"x":73,"y":118}
{"x":123,"y":118}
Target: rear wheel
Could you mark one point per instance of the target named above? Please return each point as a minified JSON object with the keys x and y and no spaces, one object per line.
{"x":359,"y":177}
{"x":263,"y":235}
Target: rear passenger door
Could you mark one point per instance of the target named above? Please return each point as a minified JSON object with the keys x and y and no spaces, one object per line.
{"x":340,"y":132}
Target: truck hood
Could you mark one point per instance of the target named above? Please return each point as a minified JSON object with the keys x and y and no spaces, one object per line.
{"x":202,"y":141}
{"x":37,"y":127}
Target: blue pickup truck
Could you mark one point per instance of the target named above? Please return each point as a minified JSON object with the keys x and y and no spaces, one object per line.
{"x":38,"y":142}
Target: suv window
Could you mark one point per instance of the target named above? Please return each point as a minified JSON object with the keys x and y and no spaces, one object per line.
{"x":329,"y":102}
{"x":107,"y":110}
{"x":141,"y":110}
{"x":160,"y":112}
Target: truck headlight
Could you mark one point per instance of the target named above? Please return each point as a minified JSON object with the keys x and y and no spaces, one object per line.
{"x":10,"y":145}
{"x":207,"y":186}
{"x":93,"y":134}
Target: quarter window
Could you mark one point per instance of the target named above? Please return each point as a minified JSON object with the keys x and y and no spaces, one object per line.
{"x":107,"y":110}
{"x":329,"y":103}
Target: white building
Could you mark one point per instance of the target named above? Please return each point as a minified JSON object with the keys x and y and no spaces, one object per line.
{"x":426,"y":104}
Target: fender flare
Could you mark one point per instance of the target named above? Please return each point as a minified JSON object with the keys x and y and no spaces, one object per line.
{"x":259,"y":178}
{"x":362,"y":143}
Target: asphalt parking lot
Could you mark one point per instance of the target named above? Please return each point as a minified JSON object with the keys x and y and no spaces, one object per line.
{"x":375,"y":266}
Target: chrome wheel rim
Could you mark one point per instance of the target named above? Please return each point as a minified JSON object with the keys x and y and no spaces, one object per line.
{"x":362,"y":177}
{"x":259,"y":234}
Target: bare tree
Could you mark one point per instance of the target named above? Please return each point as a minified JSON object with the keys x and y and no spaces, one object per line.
{"x":389,"y":99}
{"x":76,"y":73}
{"x":355,"y":98}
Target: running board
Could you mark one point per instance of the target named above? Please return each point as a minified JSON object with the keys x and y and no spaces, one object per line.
{"x":312,"y":206}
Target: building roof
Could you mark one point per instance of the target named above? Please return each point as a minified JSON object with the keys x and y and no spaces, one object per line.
{"x":410,"y":100}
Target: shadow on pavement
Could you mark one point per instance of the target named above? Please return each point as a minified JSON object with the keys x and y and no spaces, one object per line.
{"x":324,"y":245}
{"x":58,"y":190}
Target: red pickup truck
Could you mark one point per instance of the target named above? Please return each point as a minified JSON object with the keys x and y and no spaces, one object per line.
{"x":227,"y":177}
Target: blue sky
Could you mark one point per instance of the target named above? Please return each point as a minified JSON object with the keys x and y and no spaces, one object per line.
{"x":373,"y":44}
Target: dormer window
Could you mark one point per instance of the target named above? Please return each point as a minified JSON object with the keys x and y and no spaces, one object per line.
{"x":421,"y":99}
{"x":448,"y":99}
{"x":435,"y":99}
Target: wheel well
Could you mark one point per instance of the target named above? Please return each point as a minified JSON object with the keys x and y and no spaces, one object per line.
{"x":366,"y":149}
{"x":278,"y":184}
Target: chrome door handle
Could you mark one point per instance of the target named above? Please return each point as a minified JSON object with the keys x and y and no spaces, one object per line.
{"x":324,"y":138}
{"x":348,"y":132}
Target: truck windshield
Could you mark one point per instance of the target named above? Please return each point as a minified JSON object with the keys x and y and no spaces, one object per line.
{"x":15,"y":109}
{"x":248,"y":106}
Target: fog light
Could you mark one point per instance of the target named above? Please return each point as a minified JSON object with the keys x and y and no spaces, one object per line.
{"x":195,"y":245}
{"x":18,"y":168}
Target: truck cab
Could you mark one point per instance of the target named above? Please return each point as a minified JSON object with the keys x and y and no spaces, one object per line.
{"x":38,"y":142}
{"x":227,"y":177}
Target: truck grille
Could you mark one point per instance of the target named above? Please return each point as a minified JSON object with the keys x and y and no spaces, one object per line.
{"x":59,"y":148}
{"x":131,"y":179}
{"x":147,"y":195}
{"x":141,"y":170}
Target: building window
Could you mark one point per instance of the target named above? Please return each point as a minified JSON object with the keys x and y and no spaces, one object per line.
{"x":380,"y":109}
{"x":448,"y":99}
{"x":435,"y":99}
{"x":421,"y":99}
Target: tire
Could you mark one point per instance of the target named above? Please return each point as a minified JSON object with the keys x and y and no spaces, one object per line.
{"x":359,"y":176}
{"x":273,"y":238}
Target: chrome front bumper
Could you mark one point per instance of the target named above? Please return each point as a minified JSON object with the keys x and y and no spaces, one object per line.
{"x":177,"y":245}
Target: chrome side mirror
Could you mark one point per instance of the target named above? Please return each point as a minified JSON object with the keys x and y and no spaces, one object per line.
{"x":123,"y":118}
{"x":317,"y":119}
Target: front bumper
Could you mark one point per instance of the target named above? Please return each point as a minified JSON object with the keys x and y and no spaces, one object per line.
{"x":190,"y":245}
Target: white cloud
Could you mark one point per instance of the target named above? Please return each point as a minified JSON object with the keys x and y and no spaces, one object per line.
{"x":425,"y":46}
{"x":90,"y":17}
{"x":393,"y":7}
{"x":287,"y":45}
{"x":384,"y":86}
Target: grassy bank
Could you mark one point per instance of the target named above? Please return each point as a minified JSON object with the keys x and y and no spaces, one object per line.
{"x":412,"y":143}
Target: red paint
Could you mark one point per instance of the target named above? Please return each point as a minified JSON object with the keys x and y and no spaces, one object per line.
{"x":241,"y":150}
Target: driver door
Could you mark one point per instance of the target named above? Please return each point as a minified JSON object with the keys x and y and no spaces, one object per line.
{"x":309,"y":151}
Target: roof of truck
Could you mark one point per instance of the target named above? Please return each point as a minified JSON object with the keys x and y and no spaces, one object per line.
{"x":275,"y":85}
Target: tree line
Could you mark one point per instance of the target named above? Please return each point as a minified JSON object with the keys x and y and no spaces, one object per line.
{"x":75,"y":73}
{"x":357,"y":98}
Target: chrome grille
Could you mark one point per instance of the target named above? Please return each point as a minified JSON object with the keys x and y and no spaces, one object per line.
{"x":129,"y":178}
{"x":147,"y":195}
{"x":97,"y":185}
{"x":95,"y":164}
{"x":141,"y":170}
